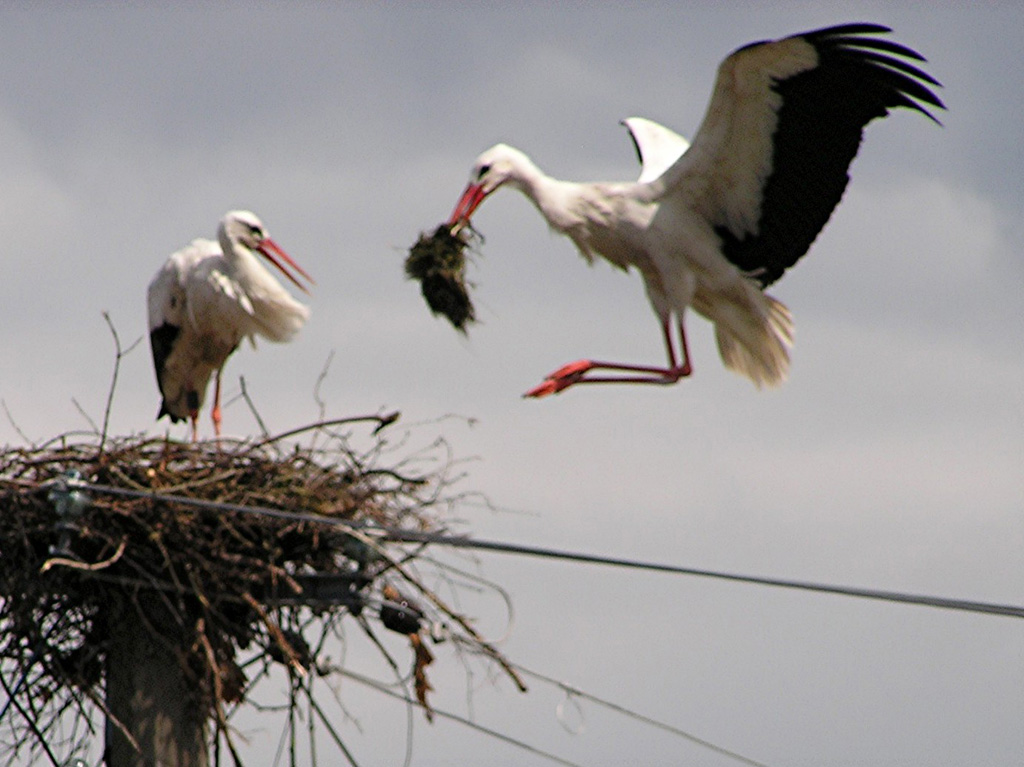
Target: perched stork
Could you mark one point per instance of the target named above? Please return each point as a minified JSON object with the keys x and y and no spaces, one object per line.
{"x":205,"y":300}
{"x":711,"y":226}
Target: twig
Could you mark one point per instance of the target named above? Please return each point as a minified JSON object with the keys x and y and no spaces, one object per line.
{"x":30,"y":720}
{"x":311,"y":722}
{"x":63,"y":562}
{"x":382,"y":421}
{"x":487,"y":648}
{"x":113,"y":381}
{"x":482,"y":643}
{"x":110,"y":717}
{"x":194,"y":484}
{"x":275,"y":634}
{"x":365,"y":626}
{"x":252,"y":407}
{"x":86,"y":416}
{"x":330,"y":729}
{"x":11,"y":421}
{"x":319,"y":382}
{"x":481,"y":584}
{"x":218,"y":691}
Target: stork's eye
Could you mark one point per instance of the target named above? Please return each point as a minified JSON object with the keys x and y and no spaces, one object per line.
{"x":484,"y":170}
{"x":255,"y":231}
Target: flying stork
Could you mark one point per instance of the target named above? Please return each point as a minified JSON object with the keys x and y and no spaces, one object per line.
{"x":712,"y":225}
{"x":205,"y":299}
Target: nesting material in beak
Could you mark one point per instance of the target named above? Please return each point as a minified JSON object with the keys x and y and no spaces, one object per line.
{"x":438,"y":261}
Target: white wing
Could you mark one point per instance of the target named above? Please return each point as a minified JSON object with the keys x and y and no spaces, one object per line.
{"x":166,"y":295}
{"x":216,"y":304}
{"x":657,"y":147}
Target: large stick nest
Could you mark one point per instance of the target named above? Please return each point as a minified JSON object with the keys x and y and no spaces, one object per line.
{"x":75,"y":562}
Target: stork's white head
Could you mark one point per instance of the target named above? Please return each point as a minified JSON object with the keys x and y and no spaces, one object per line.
{"x":498,"y":165}
{"x":243,"y":228}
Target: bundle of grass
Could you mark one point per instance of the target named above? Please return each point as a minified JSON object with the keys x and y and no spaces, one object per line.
{"x":146,"y":569}
{"x":438,"y":261}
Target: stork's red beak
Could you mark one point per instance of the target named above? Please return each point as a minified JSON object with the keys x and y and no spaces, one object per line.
{"x":273,"y":253}
{"x":470,"y":200}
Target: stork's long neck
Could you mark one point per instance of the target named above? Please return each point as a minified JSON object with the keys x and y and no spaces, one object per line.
{"x":555,"y":199}
{"x":245,"y":265}
{"x":275,"y":314}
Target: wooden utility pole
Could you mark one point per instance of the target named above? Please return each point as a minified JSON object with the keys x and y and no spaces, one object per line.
{"x":147,"y":690}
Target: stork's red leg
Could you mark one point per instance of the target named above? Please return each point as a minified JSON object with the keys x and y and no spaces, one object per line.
{"x":686,"y":367}
{"x":576,"y":372}
{"x":215,"y":414}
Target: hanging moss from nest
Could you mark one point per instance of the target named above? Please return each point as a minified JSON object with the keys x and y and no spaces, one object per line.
{"x":438,"y":261}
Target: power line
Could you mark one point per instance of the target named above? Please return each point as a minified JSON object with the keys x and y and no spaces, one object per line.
{"x":569,"y":690}
{"x":460,"y":719}
{"x":465,"y":542}
{"x":538,"y":551}
{"x":576,"y":691}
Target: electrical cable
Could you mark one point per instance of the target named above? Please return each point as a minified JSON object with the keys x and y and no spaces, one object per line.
{"x":465,"y":542}
{"x":990,"y":608}
{"x":572,"y":690}
{"x":460,"y":719}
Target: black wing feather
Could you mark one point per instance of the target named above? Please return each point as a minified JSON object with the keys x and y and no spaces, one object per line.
{"x":856,"y":28}
{"x":161,"y":340}
{"x":820,"y":125}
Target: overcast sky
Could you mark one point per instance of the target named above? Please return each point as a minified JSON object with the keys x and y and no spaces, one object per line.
{"x":891,"y":459}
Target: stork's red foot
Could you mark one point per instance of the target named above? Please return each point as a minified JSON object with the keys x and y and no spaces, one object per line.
{"x":561,"y":379}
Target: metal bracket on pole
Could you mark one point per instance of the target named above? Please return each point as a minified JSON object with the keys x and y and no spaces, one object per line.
{"x":70,"y":502}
